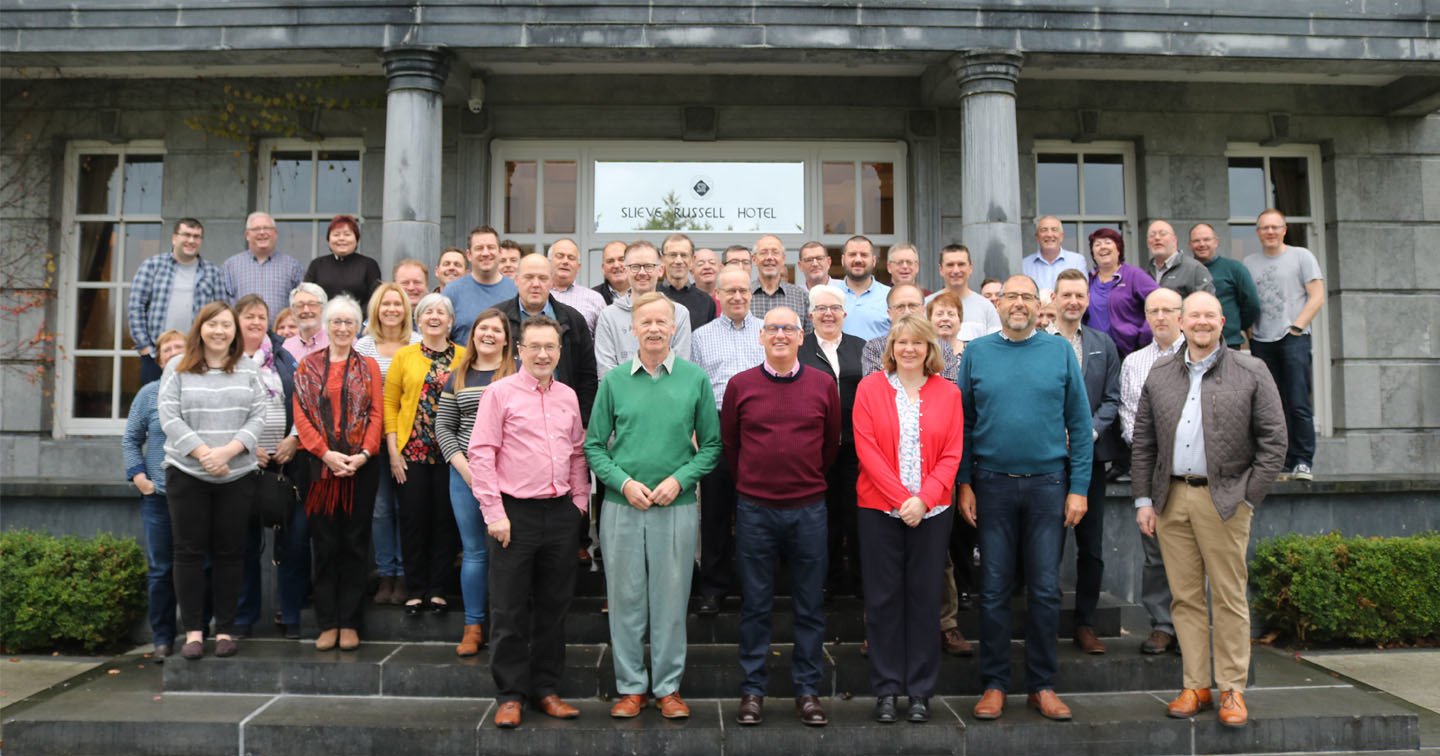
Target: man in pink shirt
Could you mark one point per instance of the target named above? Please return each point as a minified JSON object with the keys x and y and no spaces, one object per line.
{"x":528,"y":463}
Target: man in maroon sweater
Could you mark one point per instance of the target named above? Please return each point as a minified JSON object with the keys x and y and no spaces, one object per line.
{"x":780,"y":423}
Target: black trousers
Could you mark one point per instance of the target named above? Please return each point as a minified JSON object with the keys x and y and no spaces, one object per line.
{"x":208,"y":519}
{"x":903,"y":569}
{"x":717,"y":531}
{"x":531,"y":583}
{"x":962,"y":550}
{"x":429,"y":539}
{"x":341,"y":545}
{"x":844,"y":535}
{"x":1090,"y":550}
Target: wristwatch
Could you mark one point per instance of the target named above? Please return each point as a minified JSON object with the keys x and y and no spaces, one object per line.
{"x":1297,"y":330}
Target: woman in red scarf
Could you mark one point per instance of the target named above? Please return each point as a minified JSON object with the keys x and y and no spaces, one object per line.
{"x":340,"y":417}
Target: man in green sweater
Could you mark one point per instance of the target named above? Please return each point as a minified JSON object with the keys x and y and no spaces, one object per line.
{"x":639,"y":444}
{"x":1234,"y":286}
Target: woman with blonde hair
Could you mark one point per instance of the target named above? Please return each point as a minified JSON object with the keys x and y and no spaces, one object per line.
{"x":909,"y":433}
{"x":388,"y":329}
{"x":491,"y":356}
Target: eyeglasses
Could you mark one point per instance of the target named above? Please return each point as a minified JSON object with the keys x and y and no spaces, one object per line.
{"x":676,"y":255}
{"x":1159,"y":234}
{"x":1161,"y":310}
{"x":343,"y":322}
{"x":304,"y":305}
{"x":1011,"y":296}
{"x":769,"y":253}
{"x":1270,"y":228}
{"x":788,"y":330}
{"x":815,"y":259}
{"x":544,"y":348}
{"x":258,"y":229}
{"x":643,"y":267}
{"x":907,"y":307}
{"x":732,"y":291}
{"x":828,"y":308}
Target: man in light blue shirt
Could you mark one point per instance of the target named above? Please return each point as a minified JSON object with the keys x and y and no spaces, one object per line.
{"x":866,"y":314}
{"x":483,"y":288}
{"x":1045,"y":266}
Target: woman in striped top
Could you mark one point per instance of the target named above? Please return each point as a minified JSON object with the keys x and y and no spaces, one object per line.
{"x":388,"y":329}
{"x":212,"y":409}
{"x":490,"y":357}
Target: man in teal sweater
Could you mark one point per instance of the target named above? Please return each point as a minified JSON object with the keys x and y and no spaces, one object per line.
{"x":1021,"y":484}
{"x":1234,"y":286}
{"x":652,"y":405}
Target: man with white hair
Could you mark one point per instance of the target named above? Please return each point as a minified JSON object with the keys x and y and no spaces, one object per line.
{"x":772,"y":290}
{"x":261,"y":269}
{"x":306,"y":302}
{"x":565,"y":259}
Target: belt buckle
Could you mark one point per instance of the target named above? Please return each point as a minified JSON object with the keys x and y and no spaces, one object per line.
{"x":1195,"y":481}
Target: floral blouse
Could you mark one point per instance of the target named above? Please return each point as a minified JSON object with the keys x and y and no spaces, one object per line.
{"x":911,"y":474}
{"x":422,"y":445}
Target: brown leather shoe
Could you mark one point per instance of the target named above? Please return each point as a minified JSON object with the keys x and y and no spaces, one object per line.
{"x":1190,"y":702}
{"x":471,"y":641}
{"x":1232,"y":709}
{"x":508,"y":715}
{"x":1158,"y":643}
{"x":1049,"y":705}
{"x":584,"y":555}
{"x":812,"y":714}
{"x":349,"y":639}
{"x":387,"y":587}
{"x":327,"y":639}
{"x":673,"y":707}
{"x":557,"y":708}
{"x":953,"y":642}
{"x":1086,"y":641}
{"x":629,"y":705}
{"x":752,"y":710}
{"x":991,"y":705}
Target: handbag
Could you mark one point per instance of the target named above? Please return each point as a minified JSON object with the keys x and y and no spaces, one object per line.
{"x":276,"y":498}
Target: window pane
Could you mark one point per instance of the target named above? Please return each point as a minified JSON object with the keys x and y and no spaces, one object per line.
{"x":882,"y":272}
{"x":94,"y":319}
{"x":294,"y":239}
{"x":122,"y":316}
{"x":1247,"y":187}
{"x":1083,"y":240}
{"x":93,"y":386}
{"x":129,"y":383}
{"x":337,"y":187}
{"x":1243,"y":241}
{"x":560,"y":198}
{"x":97,"y":184}
{"x":837,"y":195}
{"x":290,"y":179}
{"x":1292,"y":185}
{"x":142,"y":241}
{"x":1058,"y":180}
{"x":519,"y":197}
{"x":143,"y":177}
{"x":1104,"y":185}
{"x":1073,"y":239}
{"x":1297,"y":235}
{"x":878,"y":187}
{"x":96,"y":258}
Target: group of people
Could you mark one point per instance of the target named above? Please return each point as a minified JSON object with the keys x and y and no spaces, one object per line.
{"x":873,"y":435}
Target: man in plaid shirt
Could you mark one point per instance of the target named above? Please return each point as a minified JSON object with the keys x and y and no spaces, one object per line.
{"x":169,"y":290}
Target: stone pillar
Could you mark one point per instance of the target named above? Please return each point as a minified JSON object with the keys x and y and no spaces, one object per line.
{"x":990,"y":161}
{"x":413,"y":121}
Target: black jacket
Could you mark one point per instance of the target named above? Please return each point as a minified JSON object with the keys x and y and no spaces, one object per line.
{"x":576,"y":368}
{"x":849,"y":352}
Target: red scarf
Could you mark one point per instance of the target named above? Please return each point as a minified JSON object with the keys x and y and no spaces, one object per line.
{"x":327,"y":491}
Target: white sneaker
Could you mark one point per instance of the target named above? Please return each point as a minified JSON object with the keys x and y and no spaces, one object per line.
{"x":1302,"y":472}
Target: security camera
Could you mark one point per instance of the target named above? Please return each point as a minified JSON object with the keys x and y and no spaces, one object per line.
{"x":477,"y":95}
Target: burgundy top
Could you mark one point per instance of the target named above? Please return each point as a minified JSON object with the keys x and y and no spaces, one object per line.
{"x":780,"y":435}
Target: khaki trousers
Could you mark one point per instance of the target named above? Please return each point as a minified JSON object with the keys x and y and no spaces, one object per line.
{"x":1196,"y":545}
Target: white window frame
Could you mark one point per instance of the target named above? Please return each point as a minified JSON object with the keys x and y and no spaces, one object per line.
{"x":1321,"y":380}
{"x":1129,"y":222}
{"x":586,"y":153}
{"x":314,"y":147}
{"x":68,"y":300}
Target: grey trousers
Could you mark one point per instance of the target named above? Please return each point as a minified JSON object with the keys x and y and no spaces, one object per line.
{"x":1154,"y":587}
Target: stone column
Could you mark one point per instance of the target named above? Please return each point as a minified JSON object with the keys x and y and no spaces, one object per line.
{"x":413,"y":121}
{"x":990,"y":161}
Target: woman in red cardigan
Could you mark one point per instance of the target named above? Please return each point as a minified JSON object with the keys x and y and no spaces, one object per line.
{"x":908,"y":435}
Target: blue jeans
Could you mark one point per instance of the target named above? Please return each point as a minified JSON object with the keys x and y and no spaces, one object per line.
{"x":1024,"y":515}
{"x":762,"y":534}
{"x":474,"y":557}
{"x":1289,"y":363}
{"x":292,"y":575}
{"x":383,"y":528}
{"x":160,"y":557}
{"x":252,"y":589}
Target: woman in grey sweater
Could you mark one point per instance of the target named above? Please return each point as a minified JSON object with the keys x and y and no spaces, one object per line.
{"x":212,"y":409}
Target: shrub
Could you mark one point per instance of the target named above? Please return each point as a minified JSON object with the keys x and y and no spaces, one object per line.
{"x":1356,"y":590}
{"x":63,"y":592}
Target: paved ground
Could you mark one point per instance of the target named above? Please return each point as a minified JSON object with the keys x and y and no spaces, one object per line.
{"x":24,"y":675}
{"x":1411,"y":675}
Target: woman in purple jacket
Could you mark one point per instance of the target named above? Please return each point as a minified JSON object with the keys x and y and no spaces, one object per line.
{"x":1117,"y":293}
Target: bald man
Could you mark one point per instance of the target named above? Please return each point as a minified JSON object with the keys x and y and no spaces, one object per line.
{"x":1172,"y":268}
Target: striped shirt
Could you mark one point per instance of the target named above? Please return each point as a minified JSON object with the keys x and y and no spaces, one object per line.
{"x":455,"y":413}
{"x":587,"y":301}
{"x":212,"y":409}
{"x":272,"y":278}
{"x":722,"y":350}
{"x":786,"y":295}
{"x":365,"y":345}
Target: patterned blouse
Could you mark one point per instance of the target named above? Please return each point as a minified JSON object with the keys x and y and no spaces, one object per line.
{"x":422,"y":445}
{"x":909,"y":452}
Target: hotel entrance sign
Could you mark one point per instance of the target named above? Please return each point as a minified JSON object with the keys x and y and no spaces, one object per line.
{"x":753,"y":197}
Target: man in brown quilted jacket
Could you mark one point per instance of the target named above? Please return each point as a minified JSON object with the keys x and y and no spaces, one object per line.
{"x":1209,"y":442}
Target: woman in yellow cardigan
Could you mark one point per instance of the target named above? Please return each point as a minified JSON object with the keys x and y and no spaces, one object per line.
{"x":428,"y":538}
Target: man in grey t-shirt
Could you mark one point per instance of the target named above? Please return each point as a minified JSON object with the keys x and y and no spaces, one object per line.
{"x":1292,"y":291}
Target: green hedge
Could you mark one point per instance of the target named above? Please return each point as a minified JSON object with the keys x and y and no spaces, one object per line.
{"x":67,"y":592}
{"x":1354,"y":590}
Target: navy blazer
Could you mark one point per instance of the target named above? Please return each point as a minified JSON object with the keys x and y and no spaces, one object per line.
{"x":1102,"y":383}
{"x":850,"y":349}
